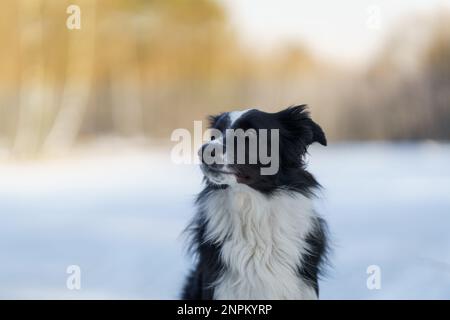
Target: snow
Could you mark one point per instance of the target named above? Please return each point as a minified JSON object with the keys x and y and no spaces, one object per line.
{"x":120,"y":217}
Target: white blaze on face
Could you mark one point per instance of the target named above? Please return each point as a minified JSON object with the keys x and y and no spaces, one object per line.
{"x":234,"y":115}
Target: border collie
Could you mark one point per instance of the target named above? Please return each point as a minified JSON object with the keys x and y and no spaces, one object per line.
{"x":257,"y":236}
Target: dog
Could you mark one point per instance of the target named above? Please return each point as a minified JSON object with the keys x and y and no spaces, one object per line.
{"x":258,"y":236}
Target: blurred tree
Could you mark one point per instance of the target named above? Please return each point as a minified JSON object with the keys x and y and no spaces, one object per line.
{"x":144,"y":67}
{"x":437,"y":77}
{"x":77,"y":83}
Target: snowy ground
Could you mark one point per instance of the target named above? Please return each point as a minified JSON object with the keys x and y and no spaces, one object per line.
{"x":119,"y":218}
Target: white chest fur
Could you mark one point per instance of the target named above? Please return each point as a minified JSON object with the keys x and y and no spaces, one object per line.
{"x":262,"y":243}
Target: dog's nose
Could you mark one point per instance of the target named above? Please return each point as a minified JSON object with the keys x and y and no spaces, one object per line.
{"x":208,"y":157}
{"x":200,"y":152}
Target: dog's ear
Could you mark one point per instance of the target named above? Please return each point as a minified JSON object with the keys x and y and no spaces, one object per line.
{"x":298,"y":124}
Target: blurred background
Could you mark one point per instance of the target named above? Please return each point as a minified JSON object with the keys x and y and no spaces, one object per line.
{"x":86,"y":117}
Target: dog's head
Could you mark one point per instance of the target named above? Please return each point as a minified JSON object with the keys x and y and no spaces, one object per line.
{"x":262,"y":150}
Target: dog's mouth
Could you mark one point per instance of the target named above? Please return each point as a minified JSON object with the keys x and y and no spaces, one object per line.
{"x":215,"y":172}
{"x":242,"y":178}
{"x":218,"y":171}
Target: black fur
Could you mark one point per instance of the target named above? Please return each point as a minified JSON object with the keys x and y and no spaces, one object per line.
{"x":297,"y":132}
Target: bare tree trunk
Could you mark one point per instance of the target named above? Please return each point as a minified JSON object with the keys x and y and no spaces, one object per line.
{"x":79,"y":78}
{"x":32,"y":90}
{"x":125,"y":86}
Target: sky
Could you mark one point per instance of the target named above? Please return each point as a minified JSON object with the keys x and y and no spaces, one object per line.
{"x":350,"y":30}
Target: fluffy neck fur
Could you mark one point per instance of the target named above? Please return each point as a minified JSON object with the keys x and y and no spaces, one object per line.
{"x":262,"y":241}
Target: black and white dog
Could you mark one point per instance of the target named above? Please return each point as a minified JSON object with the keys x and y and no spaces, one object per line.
{"x":257,"y":236}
